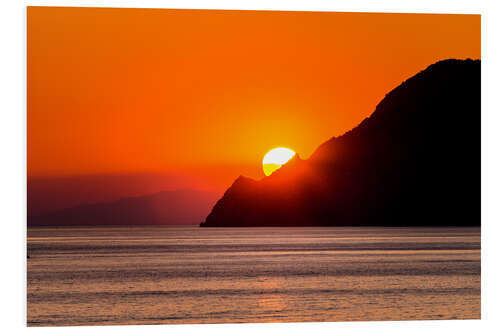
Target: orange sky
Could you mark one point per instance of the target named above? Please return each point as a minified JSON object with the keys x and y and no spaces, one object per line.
{"x":210,"y":92}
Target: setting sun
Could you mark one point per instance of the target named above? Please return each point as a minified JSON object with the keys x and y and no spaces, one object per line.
{"x":275,"y":158}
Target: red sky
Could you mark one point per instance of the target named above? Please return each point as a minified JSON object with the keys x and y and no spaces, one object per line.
{"x":207,"y":93}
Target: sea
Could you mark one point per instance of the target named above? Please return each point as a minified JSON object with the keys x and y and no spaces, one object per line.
{"x":186,"y":274}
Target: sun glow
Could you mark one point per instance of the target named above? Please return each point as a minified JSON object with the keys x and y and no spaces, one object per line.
{"x":275,"y":158}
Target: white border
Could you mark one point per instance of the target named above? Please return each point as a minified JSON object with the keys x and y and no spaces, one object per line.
{"x":13,"y":157}
{"x":425,"y":6}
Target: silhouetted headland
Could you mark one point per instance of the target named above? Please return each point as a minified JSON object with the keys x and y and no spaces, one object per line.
{"x":416,"y":161}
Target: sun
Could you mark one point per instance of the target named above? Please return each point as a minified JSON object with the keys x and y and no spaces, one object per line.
{"x":275,"y":158}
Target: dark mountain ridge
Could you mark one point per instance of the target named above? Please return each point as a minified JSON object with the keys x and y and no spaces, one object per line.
{"x":416,"y":161}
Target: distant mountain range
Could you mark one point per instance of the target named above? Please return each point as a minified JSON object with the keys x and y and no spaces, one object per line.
{"x":47,"y":194}
{"x":167,"y":207}
{"x":416,"y":161}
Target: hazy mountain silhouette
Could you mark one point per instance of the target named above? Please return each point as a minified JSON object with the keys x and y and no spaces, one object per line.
{"x":48,"y":194}
{"x":414,"y":162}
{"x":167,"y":207}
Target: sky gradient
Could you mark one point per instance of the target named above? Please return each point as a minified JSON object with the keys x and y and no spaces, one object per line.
{"x":205,"y":93}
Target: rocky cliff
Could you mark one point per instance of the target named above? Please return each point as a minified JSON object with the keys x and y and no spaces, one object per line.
{"x":414,"y":162}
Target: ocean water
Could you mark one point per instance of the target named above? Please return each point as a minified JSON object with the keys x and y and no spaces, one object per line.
{"x":174,"y":275}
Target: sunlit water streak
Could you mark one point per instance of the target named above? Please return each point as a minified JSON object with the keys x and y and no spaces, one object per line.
{"x":160,"y":275}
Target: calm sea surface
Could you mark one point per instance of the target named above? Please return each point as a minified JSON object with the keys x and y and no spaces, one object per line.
{"x":172,"y":275}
